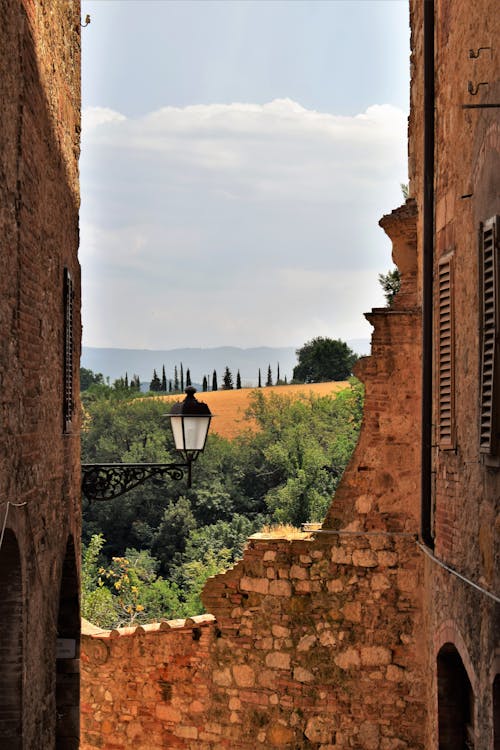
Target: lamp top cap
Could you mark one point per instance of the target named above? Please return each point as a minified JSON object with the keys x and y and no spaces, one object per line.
{"x":190,"y":407}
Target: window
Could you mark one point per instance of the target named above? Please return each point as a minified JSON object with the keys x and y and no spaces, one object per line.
{"x":446,"y":385}
{"x":488,"y":409}
{"x":68,"y":402}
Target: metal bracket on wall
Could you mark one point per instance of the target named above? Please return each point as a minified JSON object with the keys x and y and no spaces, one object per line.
{"x":475,"y":54}
{"x":474,"y":90}
{"x":107,"y":481}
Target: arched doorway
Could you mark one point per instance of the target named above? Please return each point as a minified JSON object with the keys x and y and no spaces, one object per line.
{"x":455,"y":701}
{"x":11,"y":644}
{"x":496,"y":712}
{"x":68,"y":656}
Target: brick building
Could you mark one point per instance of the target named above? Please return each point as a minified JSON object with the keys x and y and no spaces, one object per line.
{"x":381,"y":630}
{"x":454,"y":161}
{"x":39,"y":352}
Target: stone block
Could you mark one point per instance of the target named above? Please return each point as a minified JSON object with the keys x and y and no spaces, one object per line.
{"x":278,"y":660}
{"x":373,"y":656}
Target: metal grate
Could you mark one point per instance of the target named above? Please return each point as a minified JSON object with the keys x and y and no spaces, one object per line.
{"x":446,"y":385}
{"x":489,"y":282}
{"x":68,"y":402}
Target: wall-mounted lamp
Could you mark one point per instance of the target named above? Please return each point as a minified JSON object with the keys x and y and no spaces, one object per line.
{"x":190,"y":421}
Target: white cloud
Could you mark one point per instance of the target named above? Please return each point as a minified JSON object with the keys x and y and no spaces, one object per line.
{"x":258,"y":220}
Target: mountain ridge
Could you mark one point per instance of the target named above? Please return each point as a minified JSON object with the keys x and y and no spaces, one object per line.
{"x":115,"y":362}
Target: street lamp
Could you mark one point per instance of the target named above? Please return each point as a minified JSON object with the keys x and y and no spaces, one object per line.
{"x":189,"y":419}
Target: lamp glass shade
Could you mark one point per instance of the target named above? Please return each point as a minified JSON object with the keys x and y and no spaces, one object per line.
{"x":190,"y":432}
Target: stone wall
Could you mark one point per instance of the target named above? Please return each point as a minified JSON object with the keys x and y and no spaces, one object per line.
{"x":39,"y":465}
{"x":314,"y":641}
{"x":315,"y":644}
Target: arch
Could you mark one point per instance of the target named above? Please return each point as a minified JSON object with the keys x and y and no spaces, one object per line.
{"x":68,"y":655}
{"x":496,"y":712}
{"x":455,"y":701}
{"x":11,"y":644}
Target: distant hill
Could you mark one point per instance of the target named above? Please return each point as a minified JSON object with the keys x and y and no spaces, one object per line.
{"x":114,"y":363}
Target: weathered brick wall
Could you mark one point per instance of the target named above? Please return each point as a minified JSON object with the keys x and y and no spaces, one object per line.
{"x":467,"y":191}
{"x":39,"y":201}
{"x":316,"y":641}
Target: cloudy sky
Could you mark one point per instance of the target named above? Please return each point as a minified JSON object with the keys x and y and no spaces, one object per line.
{"x":236,"y":158}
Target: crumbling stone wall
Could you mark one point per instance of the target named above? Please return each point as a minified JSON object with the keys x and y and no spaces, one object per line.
{"x":312,"y":642}
{"x":316,"y":644}
{"x":39,"y":465}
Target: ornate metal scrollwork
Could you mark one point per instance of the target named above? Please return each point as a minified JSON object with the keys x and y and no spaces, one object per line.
{"x":107,"y":481}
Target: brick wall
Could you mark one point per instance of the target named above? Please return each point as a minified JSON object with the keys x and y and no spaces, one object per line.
{"x":465,"y":494}
{"x":39,"y":201}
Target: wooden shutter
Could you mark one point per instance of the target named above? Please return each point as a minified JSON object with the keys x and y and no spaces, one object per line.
{"x":489,"y":334}
{"x":68,"y":401}
{"x":446,"y":384}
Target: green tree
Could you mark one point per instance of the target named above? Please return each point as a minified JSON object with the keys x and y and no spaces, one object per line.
{"x":182,"y":378}
{"x":163,"y":380}
{"x":269,"y":380}
{"x":176,"y":380}
{"x":205,"y":384}
{"x":390,"y":283}
{"x":324,"y":359}
{"x":155,"y":384}
{"x":227,"y":380}
{"x":259,"y":380}
{"x":214,"y":381}
{"x":238,"y":380}
{"x":88,"y":378}
{"x":188,"y":378}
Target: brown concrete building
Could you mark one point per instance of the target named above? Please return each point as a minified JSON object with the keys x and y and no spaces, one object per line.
{"x":39,"y":354}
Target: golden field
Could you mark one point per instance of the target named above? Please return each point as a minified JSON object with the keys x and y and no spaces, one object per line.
{"x":228,"y":407}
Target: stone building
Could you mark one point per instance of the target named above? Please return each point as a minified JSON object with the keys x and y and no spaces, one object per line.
{"x":39,"y":353}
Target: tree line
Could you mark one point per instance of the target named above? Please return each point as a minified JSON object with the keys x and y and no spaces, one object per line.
{"x":319,"y":360}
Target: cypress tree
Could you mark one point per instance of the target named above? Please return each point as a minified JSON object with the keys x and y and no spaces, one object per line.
{"x":188,"y":378}
{"x":126,"y":381}
{"x":227,"y":380}
{"x":176,"y":380}
{"x":260,"y":380}
{"x":155,"y":384}
{"x":214,"y":382}
{"x":170,"y":386}
{"x":278,"y":375}
{"x":182,"y":379}
{"x":205,"y":384}
{"x":163,"y":380}
{"x":269,"y":380}
{"x":238,"y":380}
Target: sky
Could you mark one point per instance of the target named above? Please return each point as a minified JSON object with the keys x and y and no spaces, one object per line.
{"x":236,"y":158}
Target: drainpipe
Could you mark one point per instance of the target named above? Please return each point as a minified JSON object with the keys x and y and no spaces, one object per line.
{"x":427,"y":280}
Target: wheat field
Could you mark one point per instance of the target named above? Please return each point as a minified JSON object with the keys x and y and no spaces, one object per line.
{"x":228,"y":407}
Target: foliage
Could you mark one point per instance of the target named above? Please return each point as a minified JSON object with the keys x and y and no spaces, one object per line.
{"x":324,"y":359}
{"x":88,"y":378}
{"x":227,"y":380}
{"x":155,"y":384}
{"x":163,"y":539}
{"x":390,"y":283}
{"x":269,"y":380}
